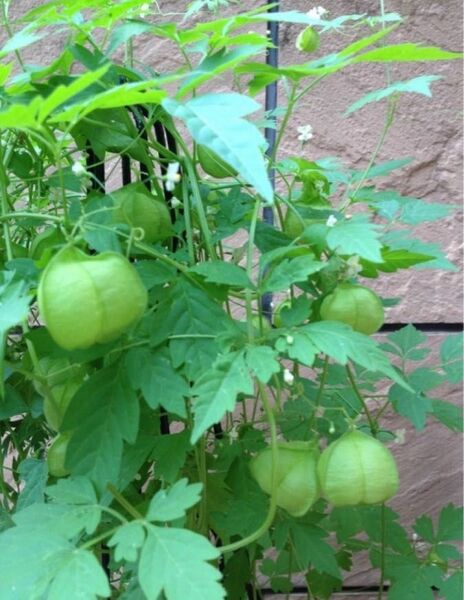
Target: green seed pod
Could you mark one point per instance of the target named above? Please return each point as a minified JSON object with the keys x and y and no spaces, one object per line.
{"x":355,"y":305}
{"x":56,"y":455}
{"x":213,"y":164}
{"x":308,"y":40}
{"x":297,"y":484}
{"x":357,"y":469}
{"x":145,"y":212}
{"x":85,"y":300}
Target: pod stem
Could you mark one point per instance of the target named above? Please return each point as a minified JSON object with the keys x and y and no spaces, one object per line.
{"x":372,"y":423}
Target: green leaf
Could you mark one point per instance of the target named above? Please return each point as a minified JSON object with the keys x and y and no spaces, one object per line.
{"x":161,"y":385}
{"x":29,"y":559}
{"x":73,"y":490}
{"x":127,"y":540}
{"x":223,"y":273}
{"x":424,"y":528}
{"x":63,"y":519}
{"x":411,"y":405}
{"x":311,"y":549}
{"x":103,"y":413}
{"x":290,"y":271}
{"x":451,"y":588}
{"x":381,"y":169}
{"x":34,"y":473}
{"x":299,"y":347}
{"x":125,"y":32}
{"x":449,"y":414}
{"x":14,"y":302}
{"x":174,"y":561}
{"x":169,"y":453}
{"x":193,"y":316}
{"x":450,"y":524}
{"x":356,"y":236}
{"x":80,"y":574}
{"x":216,"y":121}
{"x":405,"y":342}
{"x":155,"y":273}
{"x":173,"y":504}
{"x":262,"y":360}
{"x":397,"y":240}
{"x":411,"y":580}
{"x":217,"y":389}
{"x":406,"y":53}
{"x":393,"y":260}
{"x":222,"y":60}
{"x":21,"y":39}
{"x":417,"y":85}
{"x":451,"y":353}
{"x":341,"y":343}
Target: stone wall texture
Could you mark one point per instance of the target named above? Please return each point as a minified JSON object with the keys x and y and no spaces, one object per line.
{"x":430,"y":131}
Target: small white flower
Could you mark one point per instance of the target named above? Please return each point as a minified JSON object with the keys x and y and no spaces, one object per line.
{"x":317,"y":12}
{"x":331,"y":428}
{"x":331,"y":221}
{"x":172,"y":176}
{"x":305,"y":133}
{"x":288,"y":377}
{"x":400,"y":436}
{"x":78,"y":169}
{"x":144,"y":10}
{"x":290,"y":339}
{"x":233,"y":433}
{"x":175,"y":202}
{"x":353,"y":267}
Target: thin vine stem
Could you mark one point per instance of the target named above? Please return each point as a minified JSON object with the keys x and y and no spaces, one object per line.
{"x":273,"y":500}
{"x":372,"y":424}
{"x":382,"y":550}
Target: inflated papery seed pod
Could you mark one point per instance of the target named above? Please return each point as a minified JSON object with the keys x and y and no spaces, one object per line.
{"x":355,"y":305}
{"x":56,"y":455}
{"x":145,"y":212}
{"x":213,"y":164}
{"x":357,"y":469}
{"x":85,"y":300}
{"x":297,"y":484}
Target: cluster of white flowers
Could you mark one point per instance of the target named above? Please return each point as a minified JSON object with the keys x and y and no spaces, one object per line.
{"x":317,"y":12}
{"x":305,"y":133}
{"x":172,"y":176}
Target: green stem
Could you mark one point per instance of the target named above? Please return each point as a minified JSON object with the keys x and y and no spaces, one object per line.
{"x":188,"y":221}
{"x":99,"y":538}
{"x":123,"y":502}
{"x":9,"y":31}
{"x":249,"y":268}
{"x":382,"y":551}
{"x":4,"y":208}
{"x":349,"y":198}
{"x":372,"y":423}
{"x":29,"y":215}
{"x":273,"y":501}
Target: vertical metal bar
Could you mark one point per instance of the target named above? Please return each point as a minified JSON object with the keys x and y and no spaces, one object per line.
{"x":272,"y":59}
